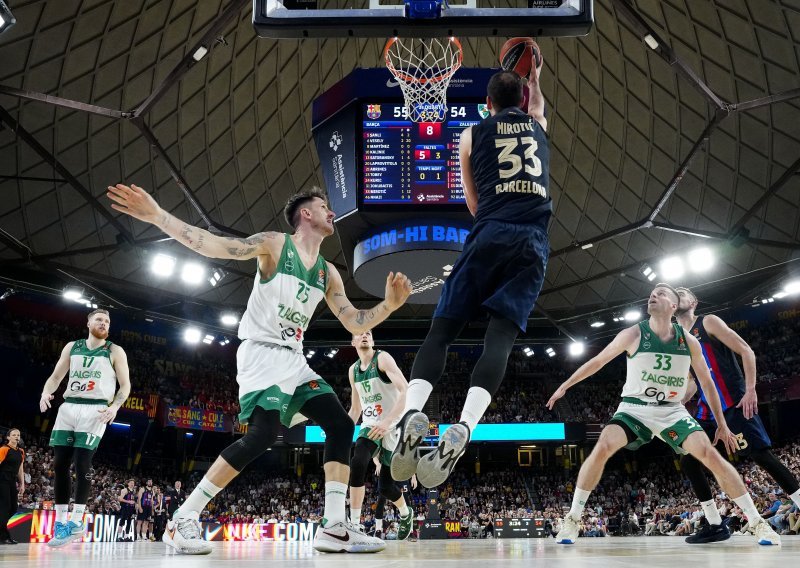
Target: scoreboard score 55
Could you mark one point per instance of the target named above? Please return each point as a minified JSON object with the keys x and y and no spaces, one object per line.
{"x":414,"y":163}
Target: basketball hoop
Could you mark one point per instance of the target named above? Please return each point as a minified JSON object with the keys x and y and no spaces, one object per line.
{"x":424,"y":67}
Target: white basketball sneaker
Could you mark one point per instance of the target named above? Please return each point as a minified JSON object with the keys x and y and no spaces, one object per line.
{"x":185,"y":535}
{"x":569,"y":532}
{"x":765,"y":535}
{"x":345,"y":537}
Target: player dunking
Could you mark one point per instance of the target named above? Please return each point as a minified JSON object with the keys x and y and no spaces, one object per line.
{"x":378,"y":397}
{"x":660,"y":355}
{"x":95,"y":366}
{"x":505,"y":173}
{"x":737,"y":394}
{"x":276,"y":385}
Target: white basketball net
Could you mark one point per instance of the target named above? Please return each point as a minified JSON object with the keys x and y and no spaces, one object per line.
{"x":424,"y":67}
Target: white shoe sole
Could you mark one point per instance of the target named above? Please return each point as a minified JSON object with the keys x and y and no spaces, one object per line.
{"x":404,"y":464}
{"x":166,"y":539}
{"x":334,"y":547}
{"x":433,"y":469}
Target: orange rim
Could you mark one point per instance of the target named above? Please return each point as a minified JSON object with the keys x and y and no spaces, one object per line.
{"x":411,"y":79}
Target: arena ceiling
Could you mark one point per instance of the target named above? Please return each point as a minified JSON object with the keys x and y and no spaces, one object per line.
{"x":654,"y":150}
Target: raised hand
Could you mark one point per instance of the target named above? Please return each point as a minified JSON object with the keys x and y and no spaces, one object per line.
{"x":398,"y":289}
{"x":134,"y":201}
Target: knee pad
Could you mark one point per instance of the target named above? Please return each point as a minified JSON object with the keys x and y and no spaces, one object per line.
{"x":338,"y":439}
{"x":360,"y":463}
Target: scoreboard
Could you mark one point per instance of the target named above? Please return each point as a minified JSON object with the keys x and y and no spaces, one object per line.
{"x":408,"y":163}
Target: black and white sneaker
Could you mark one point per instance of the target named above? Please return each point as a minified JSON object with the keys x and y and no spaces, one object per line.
{"x":433,"y":469}
{"x":413,"y":428}
{"x":709,"y":533}
{"x":346,"y":537}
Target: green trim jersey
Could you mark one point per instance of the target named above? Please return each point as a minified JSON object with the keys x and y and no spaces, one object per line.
{"x":375,"y":390}
{"x":658,"y":371}
{"x":280,"y":307}
{"x":91,"y":373}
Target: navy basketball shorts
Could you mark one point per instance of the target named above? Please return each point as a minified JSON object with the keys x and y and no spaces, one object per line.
{"x":750,"y":434}
{"x":500,"y":271}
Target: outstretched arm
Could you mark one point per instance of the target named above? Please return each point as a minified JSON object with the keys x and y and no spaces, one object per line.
{"x":398,"y":289}
{"x":719,"y":329}
{"x":136,"y":202}
{"x":626,"y":340}
{"x":535,"y":97}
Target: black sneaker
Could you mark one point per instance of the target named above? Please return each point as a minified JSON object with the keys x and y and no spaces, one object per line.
{"x":435,"y":467}
{"x":413,"y":429}
{"x":709,"y":533}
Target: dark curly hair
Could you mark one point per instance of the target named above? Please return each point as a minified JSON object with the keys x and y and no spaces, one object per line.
{"x":298,"y":200}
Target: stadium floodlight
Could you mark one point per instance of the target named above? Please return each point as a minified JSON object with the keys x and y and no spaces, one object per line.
{"x":216,"y":275}
{"x":576,"y":348}
{"x":792,"y":287}
{"x":700,"y":259}
{"x":633,"y":314}
{"x":229,"y":319}
{"x":224,"y":341}
{"x":7,"y":19}
{"x":163,"y":265}
{"x":193,"y":273}
{"x":74,"y":294}
{"x":550,"y":352}
{"x":648,"y":272}
{"x":208,"y":339}
{"x":672,"y":268}
{"x":528,"y":351}
{"x":192,"y":335}
{"x":310,"y":353}
{"x":779,"y":295}
{"x":331,"y":353}
{"x":597,"y":322}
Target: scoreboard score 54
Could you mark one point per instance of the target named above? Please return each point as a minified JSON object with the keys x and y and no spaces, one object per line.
{"x":414,"y":163}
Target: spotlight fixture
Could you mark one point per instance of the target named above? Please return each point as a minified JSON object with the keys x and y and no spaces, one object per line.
{"x":648,"y":272}
{"x":550,"y":352}
{"x":193,"y":273}
{"x":776,"y":295}
{"x":7,"y":19}
{"x":576,"y":348}
{"x":617,"y":317}
{"x":331,"y":353}
{"x":528,"y":351}
{"x":191,"y":335}
{"x":633,"y":314}
{"x":163,"y":265}
{"x":224,"y":341}
{"x":672,"y":268}
{"x":792,"y":287}
{"x":7,"y":294}
{"x":216,"y":275}
{"x":74,"y":294}
{"x":200,"y":53}
{"x":596,"y":322}
{"x":700,"y":259}
{"x":310,"y":353}
{"x":208,"y":339}
{"x":229,"y":319}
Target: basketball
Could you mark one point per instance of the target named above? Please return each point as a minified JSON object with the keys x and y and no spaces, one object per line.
{"x":517,"y":55}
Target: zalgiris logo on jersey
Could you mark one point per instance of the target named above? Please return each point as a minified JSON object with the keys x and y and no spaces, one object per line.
{"x":667,"y":380}
{"x":483,"y":110}
{"x":293,"y":316}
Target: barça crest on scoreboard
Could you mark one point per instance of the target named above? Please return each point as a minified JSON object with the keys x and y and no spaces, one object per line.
{"x":483,"y":110}
{"x":373,"y":112}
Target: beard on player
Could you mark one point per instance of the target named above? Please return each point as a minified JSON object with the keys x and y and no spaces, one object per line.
{"x":100,"y":331}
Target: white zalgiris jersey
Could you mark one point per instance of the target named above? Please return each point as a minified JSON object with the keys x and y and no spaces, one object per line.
{"x":658,"y":371}
{"x":280,"y":307}
{"x":377,"y":393}
{"x":91,"y":374}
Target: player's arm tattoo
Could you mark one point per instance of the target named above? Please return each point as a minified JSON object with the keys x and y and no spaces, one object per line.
{"x":366,"y":316}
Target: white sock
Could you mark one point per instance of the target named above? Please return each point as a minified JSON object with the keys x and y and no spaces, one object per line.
{"x":62,"y":511}
{"x":403,"y":510}
{"x":747,"y":506}
{"x":712,"y":514}
{"x":795,"y":497}
{"x":578,"y":503}
{"x":417,"y":394}
{"x":335,"y":493}
{"x":477,"y":402}
{"x":378,"y":524}
{"x":77,"y":514}
{"x":198,"y":499}
{"x":355,"y":515}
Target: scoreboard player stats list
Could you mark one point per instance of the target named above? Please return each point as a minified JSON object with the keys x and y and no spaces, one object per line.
{"x":405,"y":162}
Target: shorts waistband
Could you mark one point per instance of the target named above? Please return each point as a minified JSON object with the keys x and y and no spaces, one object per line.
{"x":275,"y":345}
{"x":76,"y":400}
{"x":639,"y":402}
